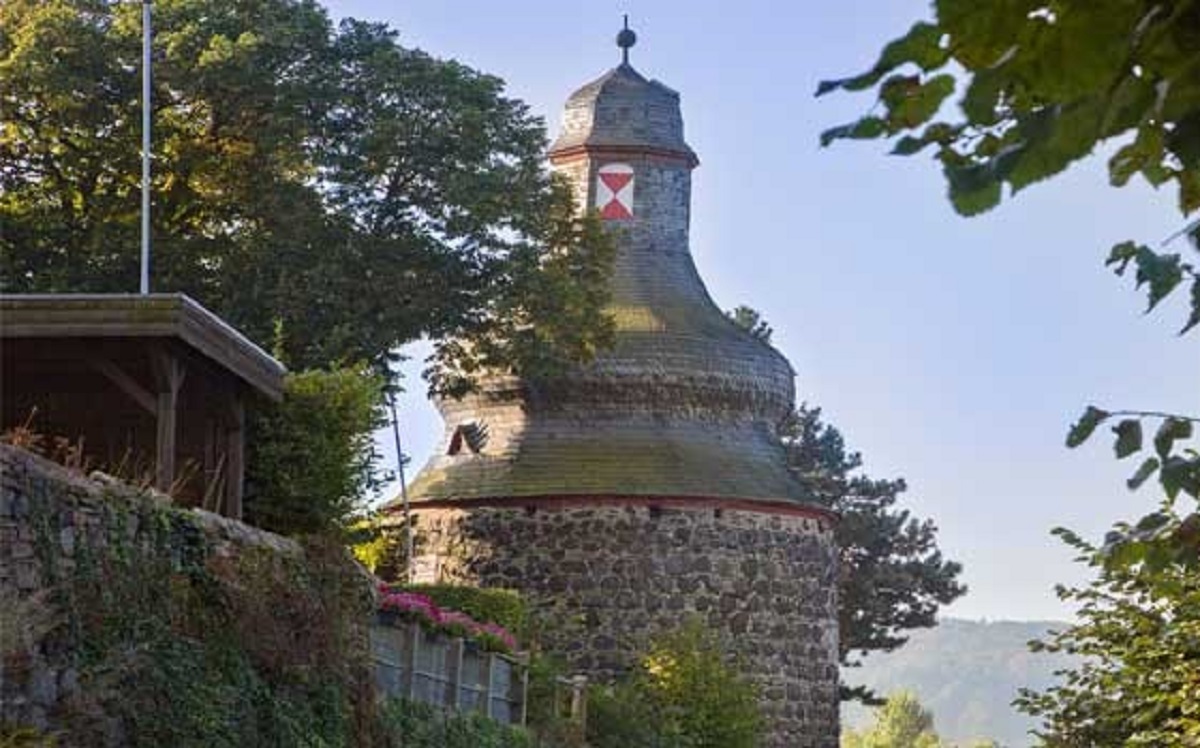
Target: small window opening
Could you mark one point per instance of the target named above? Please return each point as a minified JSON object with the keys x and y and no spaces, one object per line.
{"x":456,"y":442}
{"x":473,"y":436}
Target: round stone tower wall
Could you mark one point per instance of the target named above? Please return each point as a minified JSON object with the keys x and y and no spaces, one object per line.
{"x":615,"y":572}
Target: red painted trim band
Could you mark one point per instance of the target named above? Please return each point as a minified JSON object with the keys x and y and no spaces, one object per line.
{"x":552,"y":502}
{"x":577,"y":152}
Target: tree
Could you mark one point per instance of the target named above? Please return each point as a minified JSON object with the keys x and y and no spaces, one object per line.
{"x":684,"y":694}
{"x":1042,"y":85}
{"x":312,"y":455}
{"x":1137,"y":633}
{"x":328,"y":182}
{"x":900,"y":723}
{"x":892,"y":575}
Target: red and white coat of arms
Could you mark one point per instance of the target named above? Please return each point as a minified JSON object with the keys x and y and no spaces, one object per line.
{"x":614,"y":192}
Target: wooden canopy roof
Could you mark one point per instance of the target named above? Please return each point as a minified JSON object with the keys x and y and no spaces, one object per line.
{"x":154,"y":381}
{"x":163,"y":315}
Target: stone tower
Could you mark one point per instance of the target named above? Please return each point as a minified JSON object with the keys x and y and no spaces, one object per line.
{"x":650,"y":485}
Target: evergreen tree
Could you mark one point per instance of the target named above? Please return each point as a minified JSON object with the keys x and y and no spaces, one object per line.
{"x":892,"y":578}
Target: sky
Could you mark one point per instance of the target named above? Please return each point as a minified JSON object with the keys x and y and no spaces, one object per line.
{"x":953,"y":352}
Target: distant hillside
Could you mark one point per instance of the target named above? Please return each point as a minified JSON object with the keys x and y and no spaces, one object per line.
{"x":967,"y":673}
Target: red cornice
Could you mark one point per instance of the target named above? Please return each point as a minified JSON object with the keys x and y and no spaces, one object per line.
{"x":577,"y":152}
{"x":553,"y":502}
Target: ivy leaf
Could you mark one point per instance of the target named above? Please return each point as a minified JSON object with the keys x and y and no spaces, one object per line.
{"x":1180,"y":474}
{"x":864,"y":129}
{"x":1171,"y":430}
{"x":1189,"y":190}
{"x":1146,"y":470}
{"x":912,"y":105}
{"x":1152,"y":522}
{"x":908,"y":145}
{"x":1057,"y":137}
{"x":1121,"y":255}
{"x":922,"y":46}
{"x":1194,"y":317}
{"x":1138,"y":156}
{"x":1184,"y":140}
{"x":1129,"y":437}
{"x":1162,"y":273}
{"x":1087,"y":423}
{"x":973,"y":202}
{"x":973,"y":188}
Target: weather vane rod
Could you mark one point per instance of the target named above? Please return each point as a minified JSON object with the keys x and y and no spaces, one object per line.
{"x":626,"y":39}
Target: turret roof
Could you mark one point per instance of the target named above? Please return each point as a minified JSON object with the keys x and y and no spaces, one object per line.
{"x":624,"y":109}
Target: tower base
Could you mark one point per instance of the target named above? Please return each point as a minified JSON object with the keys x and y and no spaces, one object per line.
{"x":616,"y":571}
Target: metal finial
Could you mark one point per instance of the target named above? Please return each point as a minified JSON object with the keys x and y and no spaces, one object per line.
{"x":626,"y":39}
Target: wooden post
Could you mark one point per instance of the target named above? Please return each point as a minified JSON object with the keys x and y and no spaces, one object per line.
{"x":412,"y":639}
{"x":168,"y":377}
{"x":525,"y":692}
{"x":235,"y":457}
{"x":579,"y":701}
{"x":454,"y":666}
{"x":488,"y":662}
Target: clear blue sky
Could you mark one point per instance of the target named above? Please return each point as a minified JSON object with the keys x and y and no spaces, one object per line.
{"x":952,"y":352}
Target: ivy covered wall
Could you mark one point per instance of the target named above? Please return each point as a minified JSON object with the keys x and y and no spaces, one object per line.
{"x":125,"y":621}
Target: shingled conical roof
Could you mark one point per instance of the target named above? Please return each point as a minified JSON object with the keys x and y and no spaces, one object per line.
{"x":686,"y":404}
{"x":622,"y":109}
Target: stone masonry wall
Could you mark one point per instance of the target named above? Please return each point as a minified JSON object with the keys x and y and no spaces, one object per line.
{"x":767,"y":582}
{"x":52,"y":521}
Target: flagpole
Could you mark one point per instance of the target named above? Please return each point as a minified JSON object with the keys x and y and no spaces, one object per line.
{"x":408,"y":528}
{"x":145,"y":282}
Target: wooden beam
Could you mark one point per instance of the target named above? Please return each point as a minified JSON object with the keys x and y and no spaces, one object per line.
{"x":125,"y":383}
{"x":235,"y":456}
{"x":169,"y":373}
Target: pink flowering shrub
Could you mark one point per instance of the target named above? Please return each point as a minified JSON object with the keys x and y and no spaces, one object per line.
{"x":413,"y":606}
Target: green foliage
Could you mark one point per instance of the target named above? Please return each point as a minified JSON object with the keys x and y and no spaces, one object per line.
{"x":406,"y":724}
{"x":752,"y":322}
{"x":892,"y":577}
{"x":620,"y":716}
{"x":1160,"y":538}
{"x":900,"y":723}
{"x":1137,"y":629}
{"x":183,"y":646}
{"x":486,"y":605}
{"x":322,"y":181}
{"x":684,"y":695}
{"x":25,"y":737}
{"x":376,"y":546}
{"x":1026,"y":116}
{"x":312,"y":458}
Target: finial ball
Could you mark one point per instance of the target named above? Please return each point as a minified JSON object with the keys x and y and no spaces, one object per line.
{"x":626,"y":38}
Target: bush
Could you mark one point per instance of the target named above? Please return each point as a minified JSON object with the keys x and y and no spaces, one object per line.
{"x":407,"y":724}
{"x":312,"y":458}
{"x":492,"y":605}
{"x":177,"y":641}
{"x":684,"y":695}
